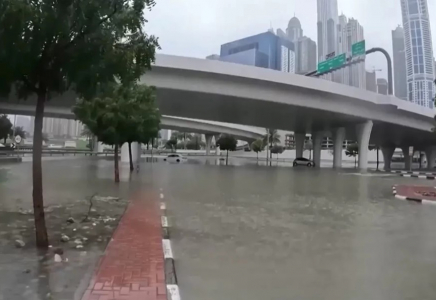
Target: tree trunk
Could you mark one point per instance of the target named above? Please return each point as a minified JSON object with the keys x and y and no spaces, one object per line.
{"x":227,"y":158}
{"x":355,"y":160}
{"x":377,"y":158}
{"x":270,"y":153}
{"x":130,"y":157}
{"x":38,"y":200}
{"x":257,"y":153}
{"x":117,"y":171}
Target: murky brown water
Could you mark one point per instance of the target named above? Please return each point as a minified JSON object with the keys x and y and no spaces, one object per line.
{"x":243,"y":231}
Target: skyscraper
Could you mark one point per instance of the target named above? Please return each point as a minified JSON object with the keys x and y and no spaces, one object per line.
{"x":400,"y":76}
{"x":294,"y":31}
{"x":419,"y":52}
{"x":305,"y":48}
{"x":305,"y":55}
{"x":382,"y":86}
{"x":266,"y":50}
{"x":327,"y":28}
{"x":371,"y":81}
{"x":349,"y":33}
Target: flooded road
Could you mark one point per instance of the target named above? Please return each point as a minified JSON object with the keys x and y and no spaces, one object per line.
{"x":254,"y":232}
{"x":283,"y":233}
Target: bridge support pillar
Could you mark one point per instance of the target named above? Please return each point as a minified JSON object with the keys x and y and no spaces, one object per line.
{"x":338,"y":142}
{"x":217,"y":148}
{"x":299,"y":144}
{"x":208,"y":143}
{"x":125,"y":152}
{"x":97,"y":146}
{"x":100,"y":147}
{"x":363,"y":134}
{"x":407,"y":158}
{"x":138,"y":152}
{"x":430,"y":153}
{"x":317,"y":145}
{"x":388,"y":152}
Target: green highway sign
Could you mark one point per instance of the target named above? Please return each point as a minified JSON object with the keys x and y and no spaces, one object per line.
{"x":358,"y":49}
{"x":332,"y":63}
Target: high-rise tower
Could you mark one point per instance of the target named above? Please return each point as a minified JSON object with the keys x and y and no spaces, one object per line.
{"x":327,"y":28}
{"x":399,"y":55}
{"x":419,"y":52}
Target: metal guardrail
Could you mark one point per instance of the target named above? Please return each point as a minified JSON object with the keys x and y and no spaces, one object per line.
{"x":52,"y":151}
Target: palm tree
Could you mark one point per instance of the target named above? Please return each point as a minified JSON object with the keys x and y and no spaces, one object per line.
{"x":181,"y":136}
{"x":271,"y":138}
{"x":18,"y":131}
{"x":257,"y":146}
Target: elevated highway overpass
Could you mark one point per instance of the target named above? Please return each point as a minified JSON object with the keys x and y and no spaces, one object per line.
{"x":233,"y":93}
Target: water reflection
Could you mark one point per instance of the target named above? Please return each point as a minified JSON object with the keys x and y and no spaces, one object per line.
{"x":252,"y":231}
{"x":258,"y":232}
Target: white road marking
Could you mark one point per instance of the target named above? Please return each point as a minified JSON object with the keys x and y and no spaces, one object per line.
{"x":163,"y":206}
{"x":164,"y":221}
{"x":428,"y":202}
{"x":173,"y":290}
{"x":161,"y":195}
{"x":168,"y":252}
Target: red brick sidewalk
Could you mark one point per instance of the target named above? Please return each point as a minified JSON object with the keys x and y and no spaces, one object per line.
{"x":132,"y":267}
{"x":414,"y":192}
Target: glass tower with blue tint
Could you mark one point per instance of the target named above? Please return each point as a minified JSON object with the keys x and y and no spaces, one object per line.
{"x":265,"y":50}
{"x":419,"y":52}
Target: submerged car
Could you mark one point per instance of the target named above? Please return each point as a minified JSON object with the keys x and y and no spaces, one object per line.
{"x":301,"y":161}
{"x":175,"y":158}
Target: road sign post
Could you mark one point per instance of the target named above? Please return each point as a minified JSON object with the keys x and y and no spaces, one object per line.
{"x":411,"y":151}
{"x":333,"y":63}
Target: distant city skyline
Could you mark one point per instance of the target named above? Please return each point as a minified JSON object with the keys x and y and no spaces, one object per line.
{"x":209,"y":24}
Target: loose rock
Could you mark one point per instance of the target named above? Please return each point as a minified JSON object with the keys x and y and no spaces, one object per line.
{"x":71,"y":220}
{"x":57,"y":258}
{"x":65,"y":238}
{"x":19,"y":244}
{"x":78,"y":242}
{"x":27,"y":271}
{"x":79,"y":246}
{"x":25,"y":212}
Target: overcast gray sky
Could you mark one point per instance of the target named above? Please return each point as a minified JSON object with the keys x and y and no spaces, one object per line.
{"x":197,"y":28}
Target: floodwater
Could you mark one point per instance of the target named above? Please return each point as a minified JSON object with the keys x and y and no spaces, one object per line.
{"x":297,"y":233}
{"x":248,"y":231}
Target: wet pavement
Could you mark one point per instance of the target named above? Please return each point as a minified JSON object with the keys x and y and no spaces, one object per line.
{"x":283,"y":233}
{"x":243,"y":231}
{"x":69,"y":185}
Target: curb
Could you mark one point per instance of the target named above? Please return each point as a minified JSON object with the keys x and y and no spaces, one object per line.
{"x":429,"y":177}
{"x":406,"y":172}
{"x":173,"y":292}
{"x":422,"y":201}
